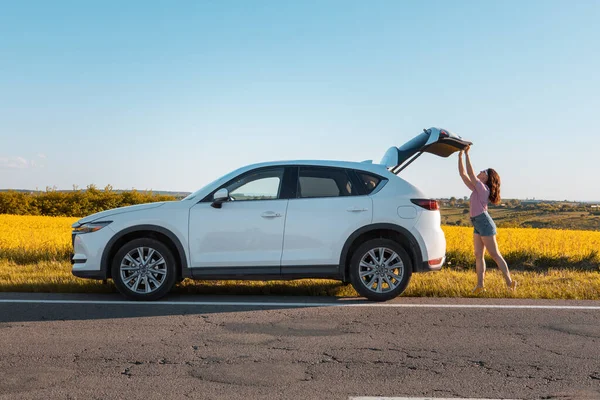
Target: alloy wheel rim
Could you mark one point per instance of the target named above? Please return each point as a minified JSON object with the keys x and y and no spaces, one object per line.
{"x":143,"y":270}
{"x":381,"y":270}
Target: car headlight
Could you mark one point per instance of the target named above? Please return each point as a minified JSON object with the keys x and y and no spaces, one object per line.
{"x":90,"y":227}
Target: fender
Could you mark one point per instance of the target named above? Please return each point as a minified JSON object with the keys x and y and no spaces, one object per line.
{"x":105,"y":262}
{"x":414,"y":250}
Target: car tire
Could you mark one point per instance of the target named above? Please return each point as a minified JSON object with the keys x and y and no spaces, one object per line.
{"x":149,"y":280}
{"x":380,"y":277}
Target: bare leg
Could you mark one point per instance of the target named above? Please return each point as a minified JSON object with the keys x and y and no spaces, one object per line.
{"x":479,"y":260}
{"x":492,"y":247}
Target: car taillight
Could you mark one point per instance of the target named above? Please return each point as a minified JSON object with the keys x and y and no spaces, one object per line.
{"x":431,"y":205}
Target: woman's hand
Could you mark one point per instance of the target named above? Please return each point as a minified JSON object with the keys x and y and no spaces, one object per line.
{"x":467,"y":149}
{"x":460,"y":154}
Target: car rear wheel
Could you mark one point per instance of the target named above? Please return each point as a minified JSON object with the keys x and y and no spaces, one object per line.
{"x":380,"y":269}
{"x":144,"y":269}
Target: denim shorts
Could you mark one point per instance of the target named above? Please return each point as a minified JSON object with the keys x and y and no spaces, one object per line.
{"x":484,"y":224}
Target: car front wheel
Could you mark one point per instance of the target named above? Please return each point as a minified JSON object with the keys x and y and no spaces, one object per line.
{"x":144,"y":269}
{"x":380,"y":269}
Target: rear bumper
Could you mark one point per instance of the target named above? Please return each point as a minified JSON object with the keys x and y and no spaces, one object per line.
{"x":432,"y":241}
{"x":431,"y":265}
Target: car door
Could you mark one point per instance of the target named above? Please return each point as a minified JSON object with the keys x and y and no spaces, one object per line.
{"x":247,"y":230}
{"x":328,"y":207}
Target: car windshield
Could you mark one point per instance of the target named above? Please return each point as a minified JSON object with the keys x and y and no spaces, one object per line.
{"x":223,"y":177}
{"x":193,"y":195}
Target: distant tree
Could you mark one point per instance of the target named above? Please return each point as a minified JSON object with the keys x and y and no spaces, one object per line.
{"x":13,"y":202}
{"x":75,"y":203}
{"x":513,"y":203}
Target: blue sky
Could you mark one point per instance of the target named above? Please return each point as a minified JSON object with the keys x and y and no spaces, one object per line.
{"x":169,"y":95}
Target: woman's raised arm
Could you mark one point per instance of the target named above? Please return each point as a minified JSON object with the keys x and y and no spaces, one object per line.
{"x":463,"y":175}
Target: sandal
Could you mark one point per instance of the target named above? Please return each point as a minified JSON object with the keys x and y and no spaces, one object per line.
{"x":478,"y":289}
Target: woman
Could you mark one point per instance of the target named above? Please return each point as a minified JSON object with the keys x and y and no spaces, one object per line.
{"x":485,"y":187}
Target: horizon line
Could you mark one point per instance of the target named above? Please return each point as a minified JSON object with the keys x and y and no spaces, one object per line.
{"x":188,"y":192}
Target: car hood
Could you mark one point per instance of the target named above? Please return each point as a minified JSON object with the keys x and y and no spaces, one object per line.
{"x":115,"y":211}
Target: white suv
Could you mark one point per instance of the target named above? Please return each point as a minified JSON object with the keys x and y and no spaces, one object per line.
{"x":356,"y":222}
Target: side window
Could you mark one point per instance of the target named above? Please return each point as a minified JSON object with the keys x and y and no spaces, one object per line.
{"x":324,"y":182}
{"x":261,"y":185}
{"x":370,"y":181}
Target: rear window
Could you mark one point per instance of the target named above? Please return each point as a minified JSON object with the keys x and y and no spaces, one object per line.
{"x":324,"y":182}
{"x":370,"y":181}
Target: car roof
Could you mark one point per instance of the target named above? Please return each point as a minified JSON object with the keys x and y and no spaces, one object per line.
{"x":363,"y":166}
{"x":367,"y":166}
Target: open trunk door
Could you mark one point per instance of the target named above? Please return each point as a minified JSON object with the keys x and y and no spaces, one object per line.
{"x":440,"y":142}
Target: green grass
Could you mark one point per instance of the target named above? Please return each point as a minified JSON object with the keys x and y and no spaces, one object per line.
{"x":56,"y":277}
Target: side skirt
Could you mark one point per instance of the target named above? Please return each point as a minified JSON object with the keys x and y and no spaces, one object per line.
{"x":267,"y":273}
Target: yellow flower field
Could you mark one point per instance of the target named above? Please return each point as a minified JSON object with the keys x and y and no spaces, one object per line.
{"x":34,"y":255}
{"x":26,"y":239}
{"x":526,"y":246}
{"x":549,"y":242}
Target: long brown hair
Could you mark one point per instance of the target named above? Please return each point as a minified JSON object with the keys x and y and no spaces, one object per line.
{"x":493,"y":183}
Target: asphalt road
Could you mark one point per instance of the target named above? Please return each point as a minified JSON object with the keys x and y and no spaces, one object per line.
{"x":292,"y":350}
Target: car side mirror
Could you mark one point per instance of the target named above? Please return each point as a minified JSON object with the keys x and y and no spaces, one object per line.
{"x":220,"y":197}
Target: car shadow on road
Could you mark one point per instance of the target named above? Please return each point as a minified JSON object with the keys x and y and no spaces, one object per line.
{"x":29,"y":307}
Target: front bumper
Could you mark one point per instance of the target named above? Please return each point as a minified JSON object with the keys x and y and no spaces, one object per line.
{"x":86,"y":258}
{"x":101,"y":275}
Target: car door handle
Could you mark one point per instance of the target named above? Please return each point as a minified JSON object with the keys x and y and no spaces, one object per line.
{"x":356,"y":209}
{"x":270,"y":214}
